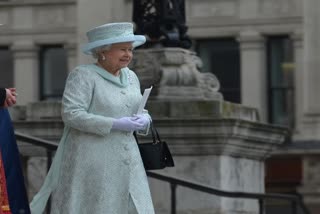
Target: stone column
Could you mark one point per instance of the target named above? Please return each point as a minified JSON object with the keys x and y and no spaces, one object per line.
{"x":71,"y":49}
{"x":89,"y":16}
{"x":311,"y":182}
{"x":253,"y":72}
{"x":26,"y":71}
{"x":297,"y":38}
{"x":311,"y":103}
{"x":311,"y":69}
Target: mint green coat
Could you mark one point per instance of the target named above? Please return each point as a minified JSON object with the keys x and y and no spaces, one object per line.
{"x":97,"y":170}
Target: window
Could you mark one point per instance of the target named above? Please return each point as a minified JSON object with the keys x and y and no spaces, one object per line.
{"x":222,"y":58}
{"x":6,"y":72}
{"x":53,"y":71}
{"x":280,"y":80}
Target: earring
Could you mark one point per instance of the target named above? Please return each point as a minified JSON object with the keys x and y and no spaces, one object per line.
{"x":103,"y":57}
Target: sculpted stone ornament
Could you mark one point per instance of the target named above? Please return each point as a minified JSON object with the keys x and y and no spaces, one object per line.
{"x":175,"y":74}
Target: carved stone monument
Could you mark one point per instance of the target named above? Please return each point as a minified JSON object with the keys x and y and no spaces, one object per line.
{"x":175,"y":74}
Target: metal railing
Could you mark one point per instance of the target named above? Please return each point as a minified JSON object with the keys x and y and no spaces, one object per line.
{"x":295,"y":200}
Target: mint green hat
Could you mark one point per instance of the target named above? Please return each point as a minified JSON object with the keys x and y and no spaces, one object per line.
{"x":111,"y":33}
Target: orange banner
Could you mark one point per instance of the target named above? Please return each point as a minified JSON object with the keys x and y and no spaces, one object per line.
{"x":5,"y":208}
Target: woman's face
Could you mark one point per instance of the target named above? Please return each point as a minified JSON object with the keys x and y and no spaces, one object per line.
{"x":119,"y":55}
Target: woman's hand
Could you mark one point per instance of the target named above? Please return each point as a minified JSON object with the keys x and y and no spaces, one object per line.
{"x":10,"y":97}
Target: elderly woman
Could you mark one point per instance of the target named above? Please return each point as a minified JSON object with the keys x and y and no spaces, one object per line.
{"x":97,"y":168}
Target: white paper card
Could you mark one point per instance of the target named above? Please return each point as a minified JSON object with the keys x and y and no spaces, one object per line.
{"x":145,"y":96}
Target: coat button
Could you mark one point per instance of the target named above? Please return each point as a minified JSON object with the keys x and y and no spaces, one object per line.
{"x":126,"y":162}
{"x":122,"y":92}
{"x":126,"y":148}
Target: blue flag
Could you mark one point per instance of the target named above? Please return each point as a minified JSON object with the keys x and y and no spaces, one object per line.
{"x":18,"y":199}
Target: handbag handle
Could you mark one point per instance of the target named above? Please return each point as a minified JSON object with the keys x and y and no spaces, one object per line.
{"x":154,"y":134}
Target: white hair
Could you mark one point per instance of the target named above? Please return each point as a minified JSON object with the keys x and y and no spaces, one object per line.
{"x":98,"y":50}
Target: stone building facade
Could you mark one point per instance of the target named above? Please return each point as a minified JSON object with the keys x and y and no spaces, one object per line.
{"x":269,"y":53}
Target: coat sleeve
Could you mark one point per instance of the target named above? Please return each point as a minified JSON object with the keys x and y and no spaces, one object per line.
{"x":2,"y":96}
{"x":76,"y":102}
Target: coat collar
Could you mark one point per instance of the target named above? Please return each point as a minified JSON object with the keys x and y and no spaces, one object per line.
{"x":121,"y":81}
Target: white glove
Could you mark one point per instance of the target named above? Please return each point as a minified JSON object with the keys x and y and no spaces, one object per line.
{"x":142,"y":119}
{"x":128,"y":124}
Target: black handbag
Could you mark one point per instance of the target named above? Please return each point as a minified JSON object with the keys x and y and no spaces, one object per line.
{"x":155,"y":154}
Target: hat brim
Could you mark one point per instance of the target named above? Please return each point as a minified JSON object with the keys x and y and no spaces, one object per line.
{"x":136,"y":39}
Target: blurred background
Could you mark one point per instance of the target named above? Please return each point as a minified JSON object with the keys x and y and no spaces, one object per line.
{"x":264,"y":53}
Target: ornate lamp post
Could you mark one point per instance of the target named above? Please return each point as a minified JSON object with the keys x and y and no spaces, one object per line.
{"x":163,"y":21}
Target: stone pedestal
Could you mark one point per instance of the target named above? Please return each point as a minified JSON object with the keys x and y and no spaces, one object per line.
{"x":213,"y":147}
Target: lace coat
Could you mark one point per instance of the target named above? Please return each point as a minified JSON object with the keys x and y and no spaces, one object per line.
{"x":97,"y":170}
